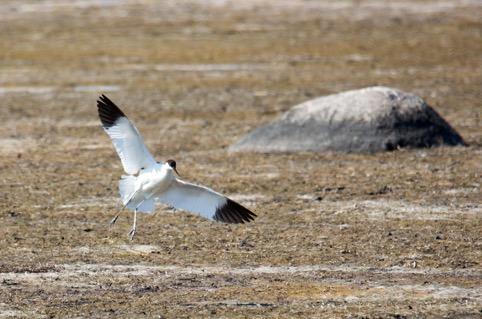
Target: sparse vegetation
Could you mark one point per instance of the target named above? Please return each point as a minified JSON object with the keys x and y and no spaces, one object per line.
{"x":385,"y":235}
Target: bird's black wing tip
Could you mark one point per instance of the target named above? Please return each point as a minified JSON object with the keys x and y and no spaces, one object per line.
{"x":108,"y":111}
{"x":233,"y":213}
{"x":103,"y":100}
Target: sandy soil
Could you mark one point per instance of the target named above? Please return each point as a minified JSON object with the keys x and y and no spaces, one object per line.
{"x":338,"y":235}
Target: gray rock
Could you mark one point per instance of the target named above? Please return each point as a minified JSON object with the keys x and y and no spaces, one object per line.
{"x":367,"y":120}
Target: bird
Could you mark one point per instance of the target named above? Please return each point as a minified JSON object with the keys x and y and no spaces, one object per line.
{"x":147,"y":181}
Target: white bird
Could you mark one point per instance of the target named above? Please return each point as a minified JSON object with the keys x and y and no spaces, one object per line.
{"x":148,"y":181}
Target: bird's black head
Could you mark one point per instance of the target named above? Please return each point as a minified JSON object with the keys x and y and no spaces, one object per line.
{"x":172,"y":163}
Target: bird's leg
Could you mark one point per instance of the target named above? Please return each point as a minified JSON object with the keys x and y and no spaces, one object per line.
{"x":132,"y":233}
{"x":113,"y":220}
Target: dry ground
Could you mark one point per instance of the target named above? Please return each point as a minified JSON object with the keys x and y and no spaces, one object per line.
{"x":383,"y":235}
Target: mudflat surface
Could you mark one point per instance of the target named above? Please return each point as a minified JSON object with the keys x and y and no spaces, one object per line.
{"x":338,"y":235}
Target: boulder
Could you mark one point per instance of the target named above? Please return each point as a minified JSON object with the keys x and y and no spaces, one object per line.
{"x":367,"y":120}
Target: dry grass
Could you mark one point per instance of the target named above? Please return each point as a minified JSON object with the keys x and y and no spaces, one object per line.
{"x":383,"y":235}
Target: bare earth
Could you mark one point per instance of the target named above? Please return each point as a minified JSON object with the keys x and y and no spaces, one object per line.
{"x":388,"y":235}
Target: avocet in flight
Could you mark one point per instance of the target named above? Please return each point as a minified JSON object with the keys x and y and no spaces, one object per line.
{"x":148,"y":181}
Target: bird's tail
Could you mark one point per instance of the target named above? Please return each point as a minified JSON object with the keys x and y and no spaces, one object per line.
{"x":127,"y":189}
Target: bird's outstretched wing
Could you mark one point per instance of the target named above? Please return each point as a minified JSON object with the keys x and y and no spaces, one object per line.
{"x":205,"y":202}
{"x":125,"y":137}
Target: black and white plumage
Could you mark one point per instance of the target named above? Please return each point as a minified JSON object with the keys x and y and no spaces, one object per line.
{"x":148,"y":181}
{"x":125,"y":137}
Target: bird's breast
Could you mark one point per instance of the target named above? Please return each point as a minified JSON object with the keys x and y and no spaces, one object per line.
{"x":156,"y":181}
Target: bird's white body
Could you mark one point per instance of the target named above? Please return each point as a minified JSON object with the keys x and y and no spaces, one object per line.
{"x":155,"y":180}
{"x":148,"y":181}
{"x":141,"y":190}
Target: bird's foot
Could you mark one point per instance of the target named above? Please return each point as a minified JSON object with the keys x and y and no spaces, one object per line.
{"x":132,"y":233}
{"x":112,"y":222}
